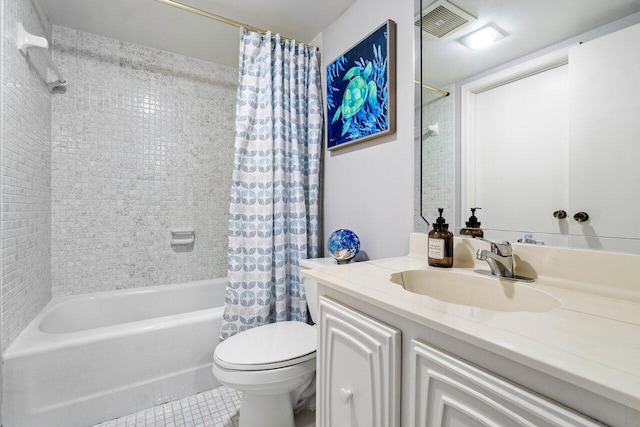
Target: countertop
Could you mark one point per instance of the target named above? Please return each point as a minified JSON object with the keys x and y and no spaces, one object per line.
{"x":592,"y":340}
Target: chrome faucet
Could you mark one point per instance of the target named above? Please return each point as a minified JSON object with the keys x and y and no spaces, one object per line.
{"x":500,"y":260}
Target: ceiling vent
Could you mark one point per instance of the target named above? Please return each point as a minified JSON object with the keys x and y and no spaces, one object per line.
{"x":442,"y":19}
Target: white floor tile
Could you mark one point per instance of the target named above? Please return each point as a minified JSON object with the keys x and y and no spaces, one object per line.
{"x":219,"y":407}
{"x":213,"y":408}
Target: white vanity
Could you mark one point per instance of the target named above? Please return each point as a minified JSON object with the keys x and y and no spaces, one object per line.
{"x":391,"y":357}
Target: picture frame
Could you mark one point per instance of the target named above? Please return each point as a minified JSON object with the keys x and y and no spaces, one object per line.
{"x":361,"y":90}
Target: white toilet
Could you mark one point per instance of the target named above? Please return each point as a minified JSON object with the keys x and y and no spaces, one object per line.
{"x":272,"y":365}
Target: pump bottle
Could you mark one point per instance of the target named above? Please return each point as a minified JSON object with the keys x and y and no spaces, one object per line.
{"x":472,"y":226}
{"x":440,"y":244}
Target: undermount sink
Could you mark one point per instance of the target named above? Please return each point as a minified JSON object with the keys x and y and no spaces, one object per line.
{"x":475,"y":291}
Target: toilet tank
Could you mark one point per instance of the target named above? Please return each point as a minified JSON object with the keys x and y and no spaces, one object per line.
{"x":310,"y":285}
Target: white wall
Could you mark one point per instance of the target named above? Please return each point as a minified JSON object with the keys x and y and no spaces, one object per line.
{"x":368,"y":187}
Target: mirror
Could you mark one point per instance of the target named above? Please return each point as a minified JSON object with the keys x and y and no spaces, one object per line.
{"x":470,"y":157}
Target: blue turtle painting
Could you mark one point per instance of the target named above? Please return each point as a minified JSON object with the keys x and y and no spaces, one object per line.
{"x":358,"y":92}
{"x":359,"y":96}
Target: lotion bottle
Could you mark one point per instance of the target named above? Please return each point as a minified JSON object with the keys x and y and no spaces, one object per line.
{"x":440,"y":244}
{"x":472,"y":228}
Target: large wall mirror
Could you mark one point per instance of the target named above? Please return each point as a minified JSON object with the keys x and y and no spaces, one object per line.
{"x":540,"y":128}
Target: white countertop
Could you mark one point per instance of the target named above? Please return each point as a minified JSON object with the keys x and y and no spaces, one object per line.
{"x":591,"y":341}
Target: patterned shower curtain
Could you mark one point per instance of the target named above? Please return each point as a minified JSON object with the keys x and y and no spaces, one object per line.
{"x":274,"y":213}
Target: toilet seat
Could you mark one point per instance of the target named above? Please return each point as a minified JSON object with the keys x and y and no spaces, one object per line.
{"x":271,"y":346}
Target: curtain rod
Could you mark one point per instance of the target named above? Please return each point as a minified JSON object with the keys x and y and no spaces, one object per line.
{"x":431,"y":88}
{"x":220,"y":18}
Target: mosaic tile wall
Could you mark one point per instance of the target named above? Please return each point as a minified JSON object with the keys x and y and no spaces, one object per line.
{"x":142,"y":143}
{"x":25,"y":217}
{"x":438,"y":157}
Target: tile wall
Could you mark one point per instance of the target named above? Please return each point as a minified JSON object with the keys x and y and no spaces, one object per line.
{"x":25,"y":189}
{"x":142,"y":143}
{"x":25,"y":177}
{"x":438,"y":159}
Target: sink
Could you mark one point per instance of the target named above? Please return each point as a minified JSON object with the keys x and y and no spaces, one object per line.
{"x":472,"y":290}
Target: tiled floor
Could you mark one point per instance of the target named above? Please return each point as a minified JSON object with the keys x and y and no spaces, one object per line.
{"x":214,"y":408}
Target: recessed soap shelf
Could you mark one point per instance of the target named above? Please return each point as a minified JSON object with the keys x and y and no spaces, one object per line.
{"x":182,"y":236}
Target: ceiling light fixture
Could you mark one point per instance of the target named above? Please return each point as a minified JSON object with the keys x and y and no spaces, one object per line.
{"x":483,"y":37}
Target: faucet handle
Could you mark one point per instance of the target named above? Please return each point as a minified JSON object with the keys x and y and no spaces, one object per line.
{"x":502,"y":248}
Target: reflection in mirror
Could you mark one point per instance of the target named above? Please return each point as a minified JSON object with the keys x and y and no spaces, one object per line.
{"x":437,"y":185}
{"x":535,"y":140}
{"x":419,"y":221}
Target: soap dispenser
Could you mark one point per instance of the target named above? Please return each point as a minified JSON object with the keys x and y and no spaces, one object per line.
{"x":472,"y":226}
{"x":440,"y":244}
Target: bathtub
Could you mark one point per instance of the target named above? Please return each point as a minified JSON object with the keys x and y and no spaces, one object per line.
{"x":91,"y":358}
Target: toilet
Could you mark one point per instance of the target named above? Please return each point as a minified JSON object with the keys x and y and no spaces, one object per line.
{"x":272,"y":365}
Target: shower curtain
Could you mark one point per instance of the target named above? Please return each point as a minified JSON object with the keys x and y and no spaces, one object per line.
{"x":274,"y":213}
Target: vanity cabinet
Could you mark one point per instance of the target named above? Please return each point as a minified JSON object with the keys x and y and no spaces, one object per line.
{"x":449,"y":391}
{"x":361,"y":363}
{"x":358,"y":369}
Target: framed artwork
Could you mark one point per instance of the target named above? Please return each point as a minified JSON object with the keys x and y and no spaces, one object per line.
{"x":361,"y":90}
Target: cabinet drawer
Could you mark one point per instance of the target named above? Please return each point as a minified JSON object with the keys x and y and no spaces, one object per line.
{"x":448,"y":391}
{"x":358,"y":369}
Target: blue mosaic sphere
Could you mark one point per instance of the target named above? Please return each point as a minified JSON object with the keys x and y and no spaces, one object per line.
{"x":343,"y":245}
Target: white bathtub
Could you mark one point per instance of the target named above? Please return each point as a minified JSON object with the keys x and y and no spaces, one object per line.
{"x":91,"y":358}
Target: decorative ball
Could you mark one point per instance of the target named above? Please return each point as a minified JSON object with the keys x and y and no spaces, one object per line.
{"x":343,"y":245}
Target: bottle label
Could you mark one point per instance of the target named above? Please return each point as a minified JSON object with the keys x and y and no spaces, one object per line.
{"x":436,"y":248}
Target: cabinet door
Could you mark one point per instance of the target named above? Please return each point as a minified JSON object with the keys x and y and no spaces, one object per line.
{"x":448,"y":391}
{"x":358,"y":369}
{"x":520,"y":140}
{"x":604,"y":152}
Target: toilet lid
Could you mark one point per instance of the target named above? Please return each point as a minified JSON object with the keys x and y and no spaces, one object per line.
{"x":268,"y":347}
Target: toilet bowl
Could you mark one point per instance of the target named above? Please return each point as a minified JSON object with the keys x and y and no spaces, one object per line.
{"x":272,"y":365}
